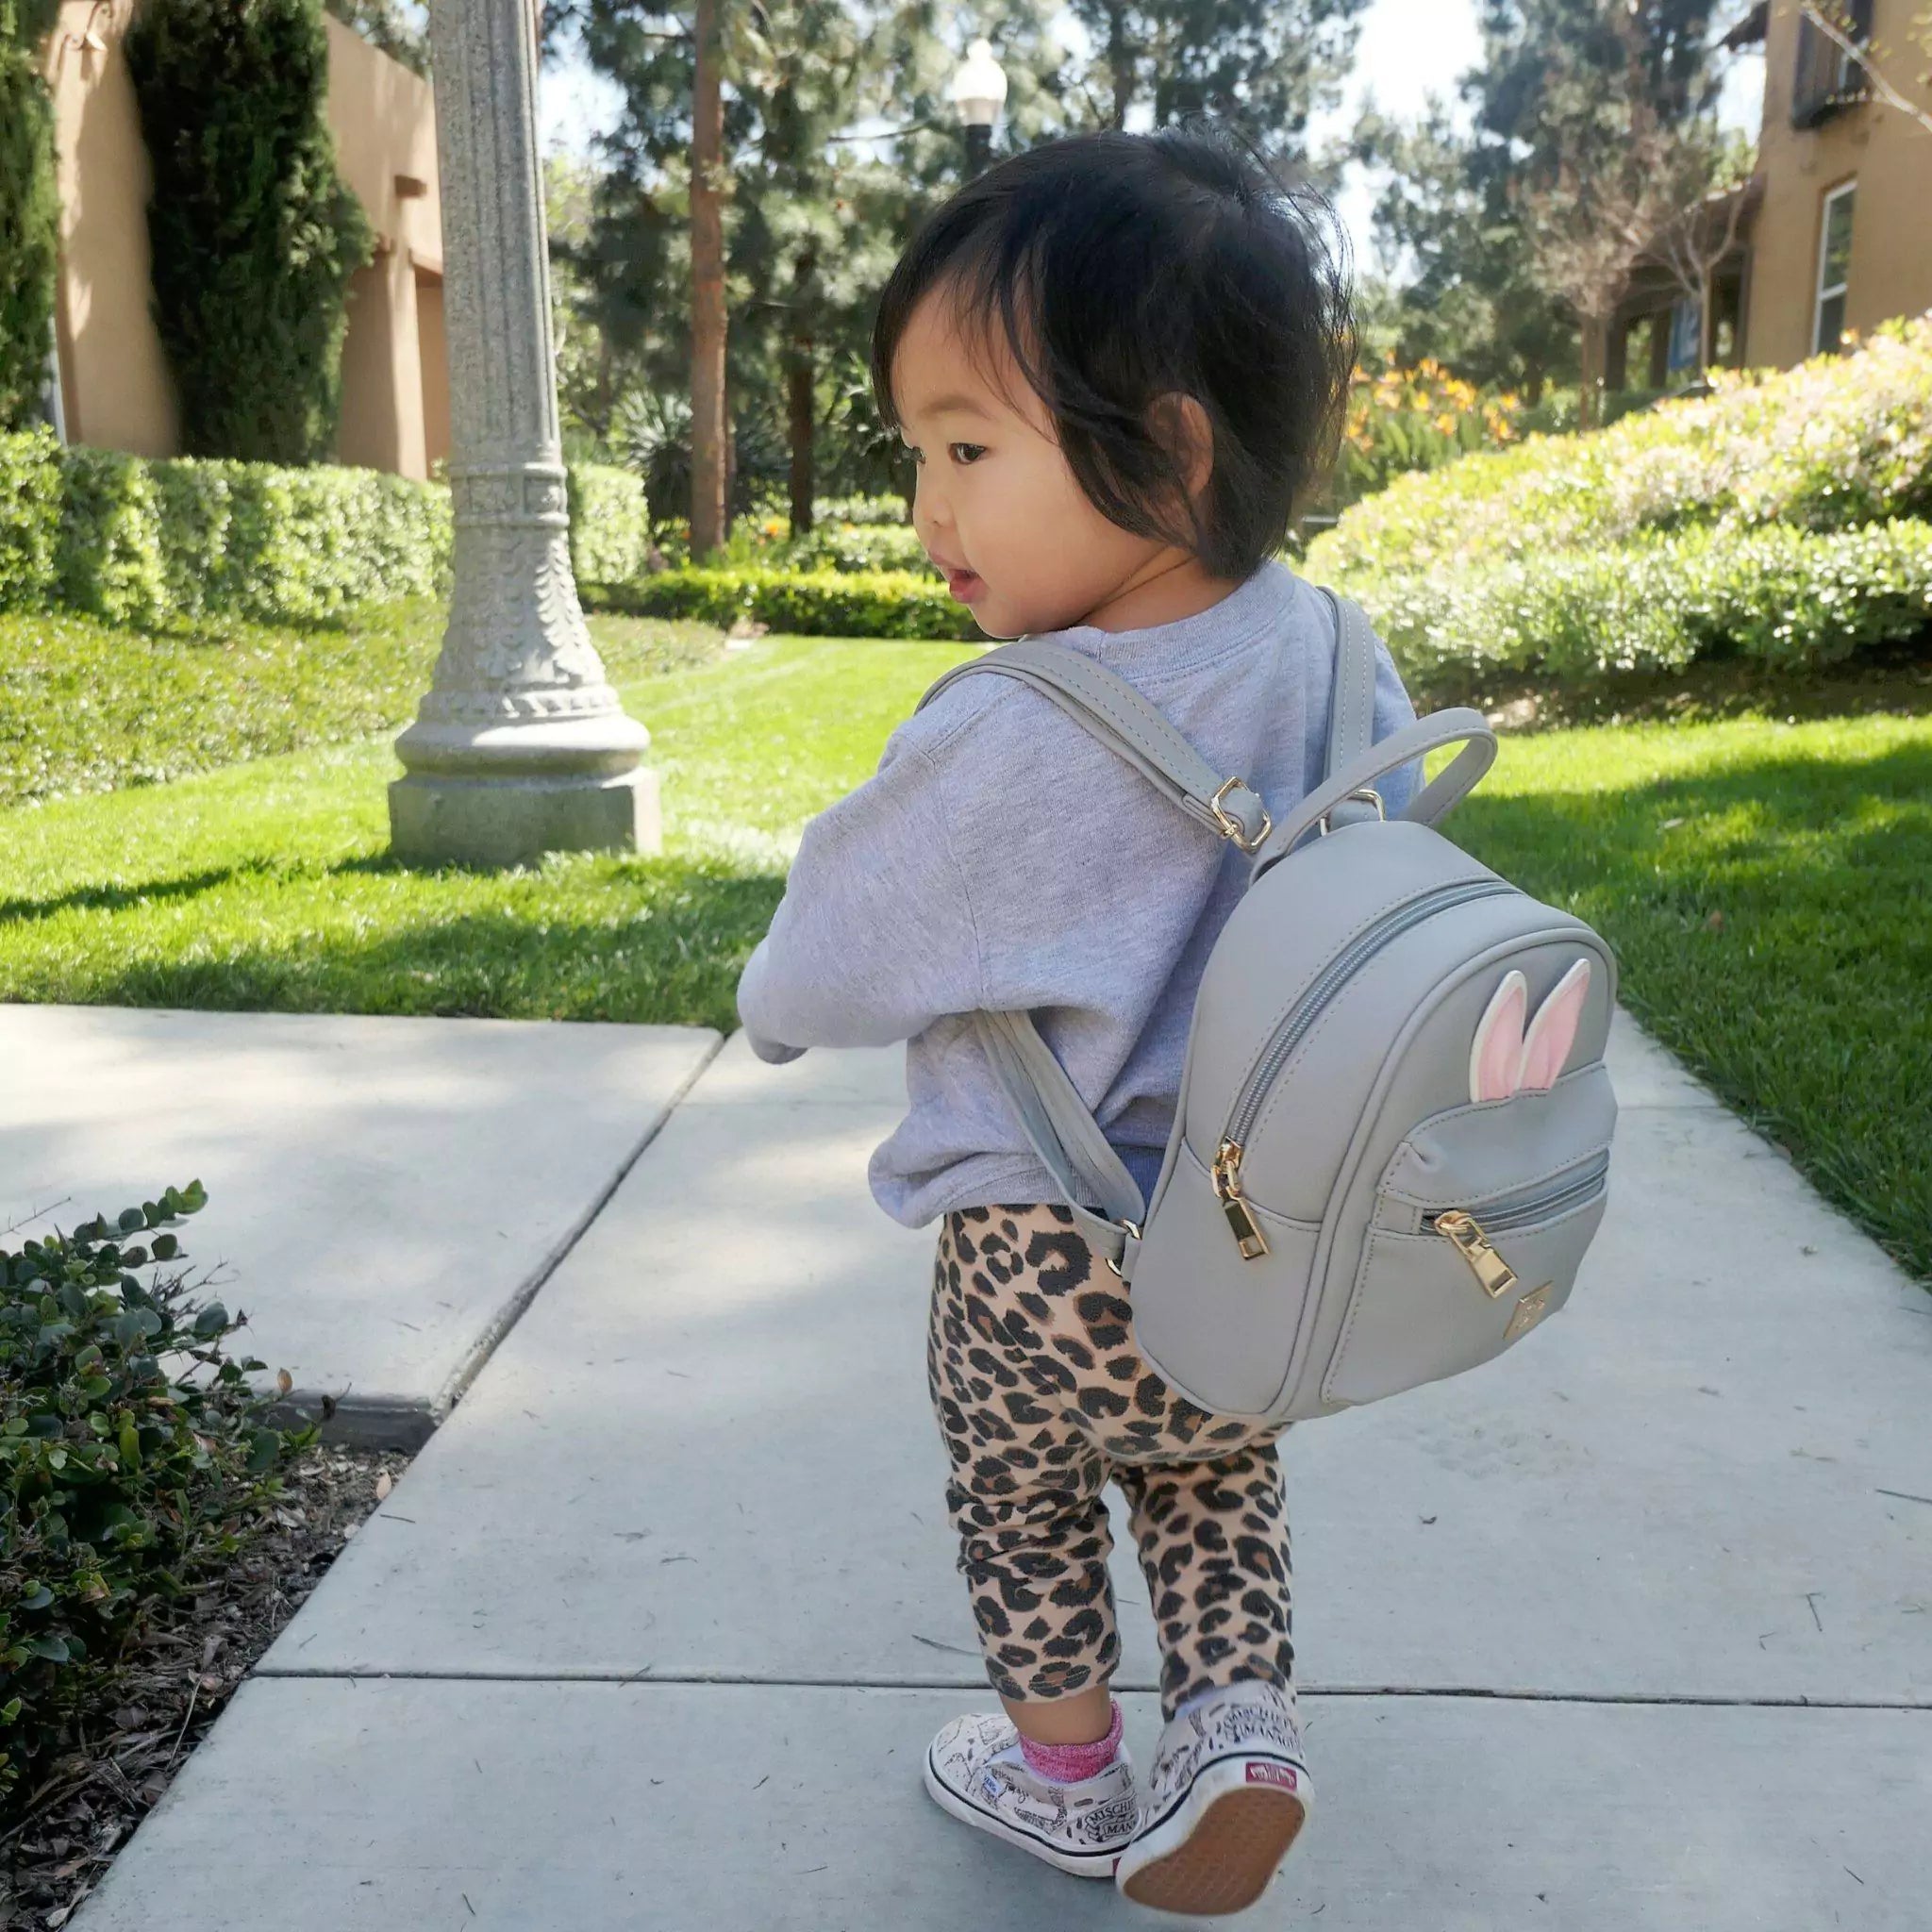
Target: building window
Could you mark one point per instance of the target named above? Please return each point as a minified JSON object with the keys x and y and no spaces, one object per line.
{"x":1827,"y":79}
{"x":1834,"y":266}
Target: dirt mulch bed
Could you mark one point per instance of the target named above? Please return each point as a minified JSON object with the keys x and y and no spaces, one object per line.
{"x":177,"y":1679}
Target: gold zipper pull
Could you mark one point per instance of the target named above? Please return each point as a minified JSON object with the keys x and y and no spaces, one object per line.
{"x":1465,"y":1235}
{"x":1247,"y":1231}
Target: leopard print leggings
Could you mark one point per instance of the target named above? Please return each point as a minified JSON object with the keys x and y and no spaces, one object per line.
{"x":1041,"y":1397}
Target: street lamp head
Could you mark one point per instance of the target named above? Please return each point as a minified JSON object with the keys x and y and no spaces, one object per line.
{"x":979,"y":86}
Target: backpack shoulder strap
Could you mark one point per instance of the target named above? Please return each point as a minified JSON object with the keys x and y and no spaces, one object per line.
{"x":1056,"y":1122}
{"x":1352,"y":702}
{"x":1106,"y":705}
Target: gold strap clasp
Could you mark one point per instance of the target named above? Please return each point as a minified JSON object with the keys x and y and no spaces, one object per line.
{"x":1231,"y":825}
{"x":1369,"y":796}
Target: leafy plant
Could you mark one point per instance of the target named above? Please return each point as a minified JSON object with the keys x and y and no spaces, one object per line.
{"x":1418,"y":418}
{"x":125,"y":1481}
{"x":824,"y":603}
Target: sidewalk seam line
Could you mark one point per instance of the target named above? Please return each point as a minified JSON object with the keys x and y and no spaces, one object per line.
{"x":477,"y":1357}
{"x":1693,"y":1699}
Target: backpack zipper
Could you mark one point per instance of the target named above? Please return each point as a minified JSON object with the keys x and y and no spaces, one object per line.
{"x":1294,"y":1028}
{"x":1471,"y":1238}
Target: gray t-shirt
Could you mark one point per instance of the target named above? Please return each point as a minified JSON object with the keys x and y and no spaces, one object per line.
{"x":1003,"y":857}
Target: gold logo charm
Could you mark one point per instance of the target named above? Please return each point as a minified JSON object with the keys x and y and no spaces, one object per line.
{"x":1529,"y":1311}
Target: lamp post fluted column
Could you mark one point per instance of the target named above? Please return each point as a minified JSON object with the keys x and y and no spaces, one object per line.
{"x":520,"y":747}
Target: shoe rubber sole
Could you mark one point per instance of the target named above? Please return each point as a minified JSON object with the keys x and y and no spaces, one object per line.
{"x":1220,"y":1845}
{"x":1081,"y":1864}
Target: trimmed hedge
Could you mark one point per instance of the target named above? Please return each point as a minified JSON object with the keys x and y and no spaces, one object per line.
{"x":1782,"y":518}
{"x":856,"y":547}
{"x":1838,"y":442}
{"x":824,"y":603}
{"x":140,"y":542}
{"x":1781,"y":595}
{"x":609,"y":524}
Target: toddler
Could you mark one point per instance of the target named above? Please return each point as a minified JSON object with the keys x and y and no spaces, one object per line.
{"x":1119,"y":361}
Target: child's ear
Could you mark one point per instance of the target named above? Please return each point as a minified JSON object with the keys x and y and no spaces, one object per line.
{"x":1182,"y":425}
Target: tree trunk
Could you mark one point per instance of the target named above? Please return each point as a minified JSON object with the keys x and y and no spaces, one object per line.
{"x":802,"y":407}
{"x":1706,"y":326}
{"x":1120,"y":63}
{"x":707,"y":452}
{"x":1532,"y":382}
{"x":1589,"y":388}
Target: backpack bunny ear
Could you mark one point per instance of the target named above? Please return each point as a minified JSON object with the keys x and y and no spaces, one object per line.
{"x":1496,"y":1053}
{"x":1553,"y":1032}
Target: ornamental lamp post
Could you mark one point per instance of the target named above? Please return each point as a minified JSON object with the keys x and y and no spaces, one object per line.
{"x":978,"y":87}
{"x":520,"y":747}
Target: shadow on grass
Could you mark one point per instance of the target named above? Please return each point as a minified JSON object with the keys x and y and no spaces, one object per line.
{"x":1778,"y":937}
{"x":1894,"y":677}
{"x":655,"y":940}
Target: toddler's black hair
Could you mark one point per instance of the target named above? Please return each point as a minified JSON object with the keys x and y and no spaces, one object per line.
{"x":1121,"y":266}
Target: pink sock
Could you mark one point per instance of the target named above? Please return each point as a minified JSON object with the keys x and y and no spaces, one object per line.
{"x":1069,"y":1764}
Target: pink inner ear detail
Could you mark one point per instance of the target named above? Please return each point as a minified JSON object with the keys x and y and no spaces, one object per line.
{"x":1497,"y":1051}
{"x":1553,"y":1032}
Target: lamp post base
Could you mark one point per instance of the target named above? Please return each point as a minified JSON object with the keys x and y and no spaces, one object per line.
{"x":433,"y":819}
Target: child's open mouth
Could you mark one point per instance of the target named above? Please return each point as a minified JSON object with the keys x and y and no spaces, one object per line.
{"x":964,"y":584}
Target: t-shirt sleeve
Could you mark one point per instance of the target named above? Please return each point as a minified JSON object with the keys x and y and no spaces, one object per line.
{"x":1392,"y":711}
{"x":875,"y":937}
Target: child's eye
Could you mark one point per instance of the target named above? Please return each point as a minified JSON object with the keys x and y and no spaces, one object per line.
{"x":975,"y":451}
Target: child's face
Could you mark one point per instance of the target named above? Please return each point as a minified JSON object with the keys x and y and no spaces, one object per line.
{"x":996,"y":505}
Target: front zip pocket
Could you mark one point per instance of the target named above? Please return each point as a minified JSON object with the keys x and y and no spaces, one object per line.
{"x":1292,"y":1029}
{"x":1472,"y":1238}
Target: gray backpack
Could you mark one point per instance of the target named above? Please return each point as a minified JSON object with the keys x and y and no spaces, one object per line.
{"x":1391,"y":1146}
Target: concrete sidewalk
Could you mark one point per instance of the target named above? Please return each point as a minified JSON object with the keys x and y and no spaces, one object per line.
{"x":385,"y":1192}
{"x":1632,"y":1629}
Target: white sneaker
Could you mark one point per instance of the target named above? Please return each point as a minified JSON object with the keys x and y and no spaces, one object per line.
{"x":1226,"y":1798}
{"x":975,"y":1770}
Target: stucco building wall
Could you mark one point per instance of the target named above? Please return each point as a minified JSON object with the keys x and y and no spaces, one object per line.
{"x":1889,"y":157}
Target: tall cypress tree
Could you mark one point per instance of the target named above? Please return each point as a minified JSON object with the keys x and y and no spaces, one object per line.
{"x":29,"y":210}
{"x":254,"y":232}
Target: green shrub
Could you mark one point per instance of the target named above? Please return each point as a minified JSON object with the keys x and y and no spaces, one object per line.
{"x":126,"y":1485}
{"x":857,"y":547}
{"x":308,"y":545}
{"x":140,"y":542}
{"x":195,"y":502}
{"x":1398,"y":420}
{"x":30,"y":519}
{"x":111,"y":538}
{"x":1779,"y":595}
{"x":826,"y":603}
{"x":609,"y":524}
{"x":861,"y":509}
{"x":1839,"y":441}
{"x":253,"y":232}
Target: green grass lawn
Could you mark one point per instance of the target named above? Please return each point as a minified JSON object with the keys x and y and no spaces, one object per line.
{"x":1768,"y":887}
{"x":269,"y":885}
{"x":91,"y":707}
